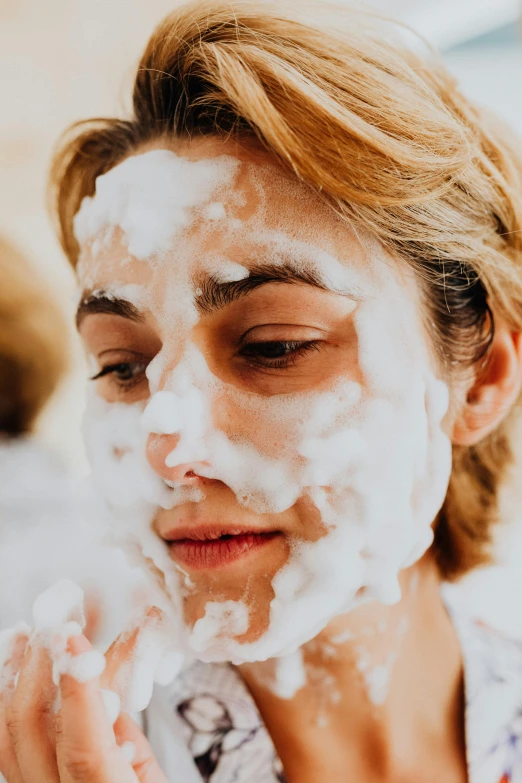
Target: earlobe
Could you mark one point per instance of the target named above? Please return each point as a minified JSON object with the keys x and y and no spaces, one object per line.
{"x":494,"y":391}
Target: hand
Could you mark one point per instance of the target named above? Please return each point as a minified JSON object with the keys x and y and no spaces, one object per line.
{"x":78,"y":744}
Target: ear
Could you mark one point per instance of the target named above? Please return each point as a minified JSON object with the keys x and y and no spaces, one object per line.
{"x":494,"y":391}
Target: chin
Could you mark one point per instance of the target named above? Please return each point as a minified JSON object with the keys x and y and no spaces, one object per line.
{"x":248,"y":583}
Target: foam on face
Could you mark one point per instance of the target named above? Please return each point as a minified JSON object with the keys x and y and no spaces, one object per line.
{"x":370,"y":454}
{"x":151,"y":215}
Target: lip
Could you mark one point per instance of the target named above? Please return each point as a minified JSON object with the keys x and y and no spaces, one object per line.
{"x":214,"y":546}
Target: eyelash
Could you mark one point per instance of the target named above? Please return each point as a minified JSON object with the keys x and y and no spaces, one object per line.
{"x":252,"y":352}
{"x":113,"y":369}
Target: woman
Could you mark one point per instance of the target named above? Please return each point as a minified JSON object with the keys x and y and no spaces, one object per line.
{"x":300,"y":261}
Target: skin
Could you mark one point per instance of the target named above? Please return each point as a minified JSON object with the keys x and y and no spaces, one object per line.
{"x":232,"y":340}
{"x":418,"y":733}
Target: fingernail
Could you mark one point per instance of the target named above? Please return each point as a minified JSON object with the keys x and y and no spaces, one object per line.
{"x":129,"y":751}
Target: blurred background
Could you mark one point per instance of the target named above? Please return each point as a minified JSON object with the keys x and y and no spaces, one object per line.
{"x":64,"y":60}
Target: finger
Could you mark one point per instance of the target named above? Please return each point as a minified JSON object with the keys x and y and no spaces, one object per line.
{"x":140,"y":647}
{"x":12,"y":650}
{"x":121,"y":650}
{"x":30,"y":715}
{"x":86,"y":746}
{"x":129,"y":736}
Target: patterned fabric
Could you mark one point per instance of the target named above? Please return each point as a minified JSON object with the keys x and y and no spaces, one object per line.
{"x":493,"y":693}
{"x":218,"y":721}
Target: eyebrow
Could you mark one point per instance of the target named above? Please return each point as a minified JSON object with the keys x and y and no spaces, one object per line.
{"x":102,"y":301}
{"x":211,"y":293}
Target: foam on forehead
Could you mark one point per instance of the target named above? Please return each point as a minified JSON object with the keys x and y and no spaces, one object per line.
{"x":152,"y":197}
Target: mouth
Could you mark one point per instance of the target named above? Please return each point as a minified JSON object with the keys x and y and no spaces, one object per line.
{"x":214,"y":547}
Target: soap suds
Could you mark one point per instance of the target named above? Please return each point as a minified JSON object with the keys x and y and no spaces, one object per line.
{"x":129,"y":751}
{"x":290,"y":675}
{"x":58,"y":615}
{"x":61,"y":604}
{"x":154,"y":213}
{"x":153,"y":660}
{"x":10,"y":641}
{"x":333,"y":447}
{"x":215,"y":211}
{"x":112,"y":704}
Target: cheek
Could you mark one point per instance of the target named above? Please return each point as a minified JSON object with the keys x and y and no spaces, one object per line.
{"x":281,"y":426}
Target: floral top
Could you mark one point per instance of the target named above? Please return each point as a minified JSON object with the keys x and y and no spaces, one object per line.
{"x":206,"y":727}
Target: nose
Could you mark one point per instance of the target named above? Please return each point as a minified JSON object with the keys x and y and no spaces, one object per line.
{"x":158,"y":449}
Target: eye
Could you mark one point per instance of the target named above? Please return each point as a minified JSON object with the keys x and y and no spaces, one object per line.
{"x":125,"y":374}
{"x":277,"y":354}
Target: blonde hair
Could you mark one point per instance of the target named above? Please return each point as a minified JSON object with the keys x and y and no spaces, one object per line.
{"x":33,"y":347}
{"x":380,"y":131}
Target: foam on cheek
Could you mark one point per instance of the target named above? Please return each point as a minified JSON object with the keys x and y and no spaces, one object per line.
{"x":116,"y":446}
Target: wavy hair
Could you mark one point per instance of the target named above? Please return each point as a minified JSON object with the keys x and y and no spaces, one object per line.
{"x":378,"y":128}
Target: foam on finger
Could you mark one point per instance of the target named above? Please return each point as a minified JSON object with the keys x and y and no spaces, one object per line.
{"x":12,"y":645}
{"x":58,"y":616}
{"x":129,"y":751}
{"x":112,"y":703}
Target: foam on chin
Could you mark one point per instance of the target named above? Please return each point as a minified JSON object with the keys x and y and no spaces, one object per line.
{"x":384,"y":432}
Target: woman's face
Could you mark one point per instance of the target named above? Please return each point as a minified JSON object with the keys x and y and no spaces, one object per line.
{"x":266,"y":422}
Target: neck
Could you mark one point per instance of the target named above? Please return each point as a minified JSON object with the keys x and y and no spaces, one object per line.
{"x":383,"y":692}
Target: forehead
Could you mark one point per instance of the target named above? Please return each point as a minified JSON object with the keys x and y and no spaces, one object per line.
{"x":201,"y":200}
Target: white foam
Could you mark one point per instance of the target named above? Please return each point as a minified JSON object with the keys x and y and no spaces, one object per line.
{"x":222,"y":620}
{"x":129,"y":751}
{"x":150,"y":215}
{"x":229,"y":271}
{"x":9,"y":639}
{"x":154,"y":659}
{"x":60,"y":604}
{"x":112,"y":704}
{"x":83,"y":667}
{"x":377,"y":428}
{"x":58,"y":615}
{"x":290,"y":675}
{"x":215,"y":211}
